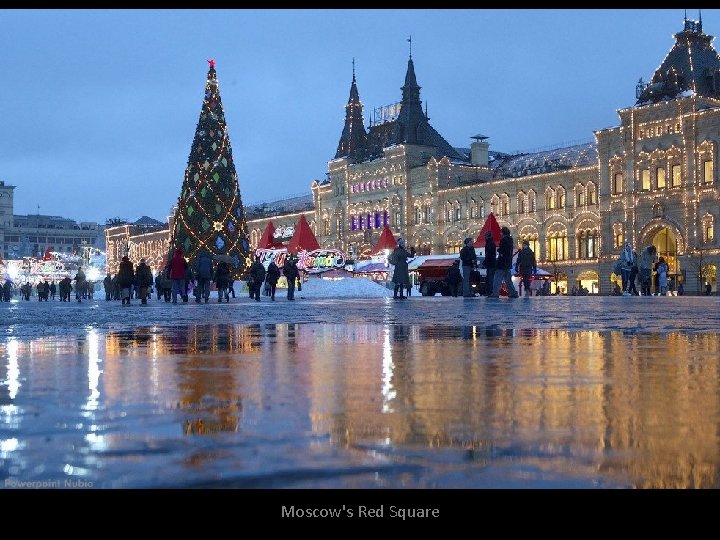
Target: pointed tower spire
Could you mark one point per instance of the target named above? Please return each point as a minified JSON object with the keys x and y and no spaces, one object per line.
{"x":354,"y":137}
{"x":210,"y":214}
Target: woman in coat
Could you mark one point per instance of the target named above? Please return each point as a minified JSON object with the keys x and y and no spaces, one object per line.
{"x":401,"y":277}
{"x":271,"y":278}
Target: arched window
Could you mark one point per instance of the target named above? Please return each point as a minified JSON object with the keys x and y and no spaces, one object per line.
{"x":708,"y":232}
{"x":618,"y":237}
{"x":532,"y":201}
{"x":591,"y":194}
{"x":505,"y":204}
{"x":549,"y":199}
{"x":561,"y":197}
{"x":557,"y":244}
{"x":587,"y":244}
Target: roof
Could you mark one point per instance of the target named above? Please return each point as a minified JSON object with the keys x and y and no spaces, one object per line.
{"x":492,"y":225}
{"x":417,"y":261}
{"x":303,"y":238}
{"x":692,"y":66}
{"x":370,"y":267}
{"x":386,"y":241}
{"x":556,"y":159}
{"x":267,"y":240}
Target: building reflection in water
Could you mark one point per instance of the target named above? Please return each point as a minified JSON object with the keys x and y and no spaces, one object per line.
{"x":640,"y":409}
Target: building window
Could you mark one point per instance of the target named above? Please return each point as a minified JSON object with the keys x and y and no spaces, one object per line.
{"x":708,"y":171}
{"x":534,"y":244}
{"x":326,"y":223}
{"x":581,"y":198}
{"x":522,"y":207}
{"x":618,"y":240}
{"x":561,"y":198}
{"x":473,"y":210}
{"x":557,"y":246}
{"x":549,"y":200}
{"x":353,"y":223}
{"x":417,"y":215}
{"x":708,"y":224}
{"x":458,"y":213}
{"x":532,"y":203}
{"x":645,"y":180}
{"x":587,"y":244}
{"x":505,"y":202}
{"x":426,"y":214}
{"x":617,"y":183}
{"x":660,"y":177}
{"x":396,"y":219}
{"x":675,"y":179}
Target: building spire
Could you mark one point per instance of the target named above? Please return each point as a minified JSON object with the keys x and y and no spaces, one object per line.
{"x":354,"y":137}
{"x":410,"y":41}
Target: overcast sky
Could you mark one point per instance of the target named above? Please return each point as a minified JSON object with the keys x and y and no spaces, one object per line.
{"x":98,"y":108}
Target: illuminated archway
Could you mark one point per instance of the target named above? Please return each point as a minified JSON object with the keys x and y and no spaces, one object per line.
{"x":666,"y":238}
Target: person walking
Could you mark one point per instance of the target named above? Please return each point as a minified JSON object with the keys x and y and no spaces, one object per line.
{"x":401,"y":276}
{"x":468,"y":258}
{"x":79,"y":283}
{"x":490,"y":262}
{"x":454,"y":278}
{"x":222,"y":280}
{"x":177,"y":274}
{"x":126,"y":279}
{"x":646,"y":261}
{"x":257,"y":278}
{"x":271,"y":278}
{"x":204,"y":274}
{"x":662,"y":276}
{"x":526,"y":266}
{"x":107,"y":285}
{"x":503,"y":266}
{"x":291,"y":273}
{"x":628,"y":259}
{"x":144,"y":279}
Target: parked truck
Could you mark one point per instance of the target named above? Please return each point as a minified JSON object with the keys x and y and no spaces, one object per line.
{"x":433,"y":273}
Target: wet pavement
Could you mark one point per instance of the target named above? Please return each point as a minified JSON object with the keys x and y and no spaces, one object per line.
{"x":542,"y":392}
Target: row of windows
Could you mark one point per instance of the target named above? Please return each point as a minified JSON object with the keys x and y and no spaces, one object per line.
{"x":660,"y":179}
{"x":376,"y":220}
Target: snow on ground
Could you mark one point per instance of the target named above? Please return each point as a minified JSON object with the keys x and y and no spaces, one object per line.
{"x":340,"y":288}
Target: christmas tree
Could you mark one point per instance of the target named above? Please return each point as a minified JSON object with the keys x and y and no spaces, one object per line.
{"x":210,"y":213}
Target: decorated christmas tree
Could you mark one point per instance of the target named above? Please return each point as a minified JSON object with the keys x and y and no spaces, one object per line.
{"x":210,"y":213}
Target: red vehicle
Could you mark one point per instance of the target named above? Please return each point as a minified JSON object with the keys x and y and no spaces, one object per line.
{"x":433,"y":274}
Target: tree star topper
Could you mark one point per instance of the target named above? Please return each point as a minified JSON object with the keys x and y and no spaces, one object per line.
{"x":212,"y":63}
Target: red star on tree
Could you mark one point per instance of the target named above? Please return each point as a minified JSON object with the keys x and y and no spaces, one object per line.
{"x":212,"y":63}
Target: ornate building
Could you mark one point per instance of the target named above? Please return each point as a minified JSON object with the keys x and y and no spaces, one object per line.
{"x":650,"y":180}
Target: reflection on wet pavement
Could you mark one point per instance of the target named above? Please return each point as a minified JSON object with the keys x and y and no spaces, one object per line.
{"x":360,"y":406}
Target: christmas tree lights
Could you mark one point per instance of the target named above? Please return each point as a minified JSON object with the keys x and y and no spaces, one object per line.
{"x":210,"y":213}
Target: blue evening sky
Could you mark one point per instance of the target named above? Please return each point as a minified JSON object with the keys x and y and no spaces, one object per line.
{"x":98,"y":108}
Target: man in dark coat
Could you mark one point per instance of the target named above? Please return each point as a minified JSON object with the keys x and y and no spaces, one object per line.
{"x":454,"y":277}
{"x":203,"y":273}
{"x":526,"y":266}
{"x":504,"y":265}
{"x":107,"y":285}
{"x":144,"y":279}
{"x":489,"y":262}
{"x":401,"y":277}
{"x":257,"y":277}
{"x":273,"y":274}
{"x":469,"y":262}
{"x":126,"y":278}
{"x":291,"y":273}
{"x":222,"y":281}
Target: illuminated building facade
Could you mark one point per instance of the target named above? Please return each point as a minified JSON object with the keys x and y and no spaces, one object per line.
{"x":650,"y":180}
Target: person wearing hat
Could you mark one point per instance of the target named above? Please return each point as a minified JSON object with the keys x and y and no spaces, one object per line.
{"x":468,"y":259}
{"x":526,"y":266}
{"x":126,"y":278}
{"x":490,"y":261}
{"x":504,"y":266}
{"x":144,"y":279}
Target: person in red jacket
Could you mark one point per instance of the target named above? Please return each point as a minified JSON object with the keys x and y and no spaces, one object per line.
{"x":177,"y":274}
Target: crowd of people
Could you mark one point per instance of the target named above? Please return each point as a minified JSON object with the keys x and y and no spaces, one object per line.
{"x":635,"y":269}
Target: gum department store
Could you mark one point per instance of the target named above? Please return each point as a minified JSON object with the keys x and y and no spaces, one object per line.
{"x":650,"y":180}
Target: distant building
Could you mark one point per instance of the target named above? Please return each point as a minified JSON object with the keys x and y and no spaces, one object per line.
{"x":145,"y":238}
{"x":31,"y":235}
